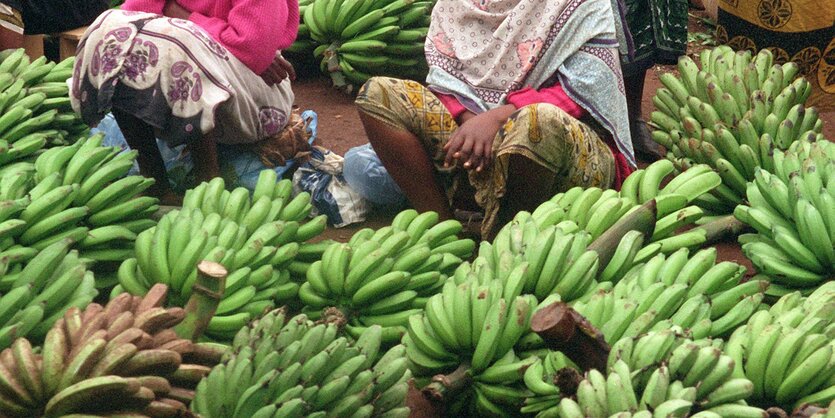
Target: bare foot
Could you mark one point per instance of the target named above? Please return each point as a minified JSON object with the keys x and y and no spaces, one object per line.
{"x":646,"y":149}
{"x":169,"y":198}
{"x":166,"y":196}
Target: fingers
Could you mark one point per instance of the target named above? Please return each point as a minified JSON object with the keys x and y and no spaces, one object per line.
{"x":475,"y":157}
{"x":287,"y":67}
{"x":466,"y":150}
{"x":279,"y":73}
{"x":452,"y":146}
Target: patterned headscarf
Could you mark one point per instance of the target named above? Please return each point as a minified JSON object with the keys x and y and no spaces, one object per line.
{"x":482,"y":50}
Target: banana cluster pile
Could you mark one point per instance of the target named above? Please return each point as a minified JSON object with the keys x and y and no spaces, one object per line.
{"x":383,"y":277}
{"x":694,"y":292}
{"x":76,"y":192}
{"x":595,"y":210}
{"x":123,"y":358}
{"x":272,"y":200}
{"x":471,"y":329}
{"x":35,"y":108}
{"x":788,"y":351}
{"x":732,"y":113}
{"x":554,"y":260}
{"x":658,"y":374}
{"x":169,"y":252}
{"x":435,"y":244}
{"x":51,"y":282}
{"x":358,"y":39}
{"x":792,"y":209}
{"x":291,"y":367}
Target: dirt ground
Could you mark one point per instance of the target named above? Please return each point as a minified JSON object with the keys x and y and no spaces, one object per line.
{"x":340,"y":130}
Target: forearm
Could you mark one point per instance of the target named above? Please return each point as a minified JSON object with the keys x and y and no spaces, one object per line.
{"x":499,"y":114}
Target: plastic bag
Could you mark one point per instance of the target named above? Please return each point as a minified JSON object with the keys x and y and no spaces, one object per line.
{"x":238,"y":166}
{"x":330,"y":194}
{"x":365,"y":173}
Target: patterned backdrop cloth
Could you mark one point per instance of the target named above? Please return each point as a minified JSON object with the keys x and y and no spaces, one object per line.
{"x":171,"y":74}
{"x":659,"y":33}
{"x":802,"y":31}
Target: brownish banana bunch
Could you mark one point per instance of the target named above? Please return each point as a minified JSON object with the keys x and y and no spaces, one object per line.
{"x":123,"y":358}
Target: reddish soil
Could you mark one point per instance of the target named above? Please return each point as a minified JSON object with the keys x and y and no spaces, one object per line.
{"x":340,"y":130}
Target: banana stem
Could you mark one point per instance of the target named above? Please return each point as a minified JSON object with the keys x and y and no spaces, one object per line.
{"x":641,"y":219}
{"x":775,"y":412}
{"x":564,"y":329}
{"x":445,"y":387}
{"x":206,"y":294}
{"x":722,"y":228}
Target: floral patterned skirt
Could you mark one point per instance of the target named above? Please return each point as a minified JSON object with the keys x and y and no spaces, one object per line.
{"x":175,"y":77}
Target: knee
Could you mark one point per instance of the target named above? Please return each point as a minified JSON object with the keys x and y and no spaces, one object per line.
{"x":372,"y":91}
{"x":545,"y":114}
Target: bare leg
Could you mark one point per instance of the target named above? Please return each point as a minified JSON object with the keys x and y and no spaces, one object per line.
{"x":528,"y":185}
{"x":140,"y":137}
{"x":204,"y":155}
{"x":406,"y":160}
{"x":645,"y":148}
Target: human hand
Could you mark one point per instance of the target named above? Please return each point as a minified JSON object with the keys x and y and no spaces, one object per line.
{"x":472,"y":142}
{"x":278,"y":71}
{"x":174,"y":10}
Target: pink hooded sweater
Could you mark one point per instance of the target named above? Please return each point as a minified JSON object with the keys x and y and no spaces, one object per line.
{"x":252,"y":30}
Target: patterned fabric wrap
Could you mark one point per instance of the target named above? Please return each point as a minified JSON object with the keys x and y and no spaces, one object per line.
{"x":542,"y":133}
{"x":659,"y":32}
{"x":481,"y":50}
{"x":175,"y":77}
{"x":802,"y":31}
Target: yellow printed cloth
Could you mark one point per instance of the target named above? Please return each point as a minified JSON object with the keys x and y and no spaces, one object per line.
{"x":543,"y":133}
{"x":802,"y":31}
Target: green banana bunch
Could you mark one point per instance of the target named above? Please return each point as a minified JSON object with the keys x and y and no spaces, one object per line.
{"x":553,"y":259}
{"x":596,"y":211}
{"x":358,"y":39}
{"x":619,"y":394}
{"x":35,"y":109}
{"x":446,"y":251}
{"x":169,"y":252}
{"x":123,"y":357}
{"x":665,"y":363}
{"x":272,"y":200}
{"x":471,"y":330}
{"x":76,"y":192}
{"x":40,"y":287}
{"x":693,"y":292}
{"x":431,"y":246}
{"x":361,"y":285}
{"x":787,"y":351}
{"x":793,"y":213}
{"x":731,"y":114}
{"x":292,"y":367}
{"x":540,"y":377}
{"x":309,"y":252}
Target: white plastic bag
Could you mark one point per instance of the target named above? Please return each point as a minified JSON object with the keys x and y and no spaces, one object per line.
{"x":330,"y":194}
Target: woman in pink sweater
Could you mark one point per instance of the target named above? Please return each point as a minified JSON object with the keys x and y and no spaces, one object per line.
{"x":196,"y":72}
